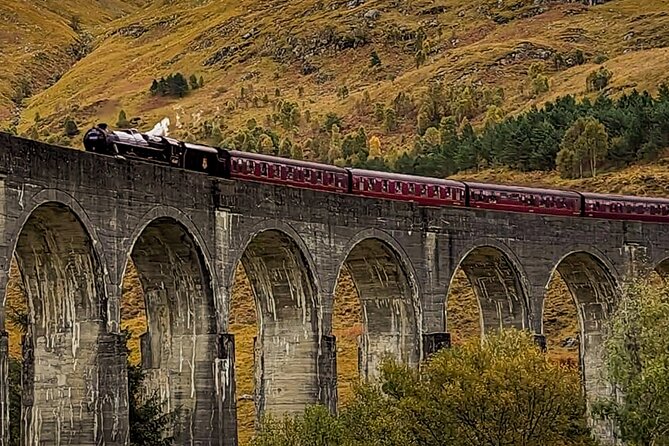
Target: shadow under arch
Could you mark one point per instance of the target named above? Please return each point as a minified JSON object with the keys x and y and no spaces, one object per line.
{"x":391,"y":313}
{"x":179,"y":349}
{"x":64,"y":286}
{"x":497,"y":280}
{"x":662,"y":269}
{"x":592,"y":283}
{"x":287,"y":348}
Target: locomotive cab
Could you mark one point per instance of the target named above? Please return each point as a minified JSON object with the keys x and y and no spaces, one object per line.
{"x":200,"y":158}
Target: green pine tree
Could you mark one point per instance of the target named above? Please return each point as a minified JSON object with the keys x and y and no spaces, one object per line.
{"x":374,"y":60}
{"x":122,"y":121}
{"x":193,"y":82}
{"x":70,"y":127}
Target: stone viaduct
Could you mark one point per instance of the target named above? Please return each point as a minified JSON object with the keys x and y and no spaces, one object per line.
{"x":72,"y":220}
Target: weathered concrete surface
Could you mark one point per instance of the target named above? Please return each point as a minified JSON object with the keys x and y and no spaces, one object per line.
{"x":289,"y":340}
{"x":496,"y":283}
{"x":60,"y":273}
{"x":180,"y":346}
{"x":73,"y":219}
{"x":389,"y":305}
{"x":224,"y":372}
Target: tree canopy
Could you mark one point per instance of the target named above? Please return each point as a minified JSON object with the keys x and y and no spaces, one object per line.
{"x":637,"y":364}
{"x":503,"y":391}
{"x":583,"y":148}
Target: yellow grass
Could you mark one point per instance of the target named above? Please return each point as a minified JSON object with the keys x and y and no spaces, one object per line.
{"x":182,"y":35}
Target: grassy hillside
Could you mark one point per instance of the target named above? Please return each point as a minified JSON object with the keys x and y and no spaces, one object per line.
{"x":321,"y":47}
{"x":42,"y":40}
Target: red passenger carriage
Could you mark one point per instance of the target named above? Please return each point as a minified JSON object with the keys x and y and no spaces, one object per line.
{"x":621,"y":207}
{"x":423,"y":190}
{"x":524,"y":199}
{"x":286,"y":171}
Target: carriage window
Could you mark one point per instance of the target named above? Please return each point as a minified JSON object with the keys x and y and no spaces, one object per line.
{"x":276,"y":170}
{"x":289,"y":173}
{"x":435,"y":191}
{"x":398,"y":187}
{"x":263,"y":169}
{"x":251,"y":165}
{"x":423,"y":189}
{"x":319,"y":177}
{"x":384,"y":185}
{"x":412,"y":188}
{"x":307,"y":174}
{"x":328,"y":178}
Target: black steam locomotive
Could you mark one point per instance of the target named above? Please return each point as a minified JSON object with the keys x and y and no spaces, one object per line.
{"x":155,"y":147}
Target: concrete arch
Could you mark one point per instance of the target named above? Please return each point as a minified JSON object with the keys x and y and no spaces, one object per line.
{"x":57,"y":197}
{"x":592,"y":282}
{"x":277,"y":226}
{"x":64,"y":285}
{"x":182,"y":219}
{"x":179,"y":350}
{"x":592,"y":251}
{"x":389,"y":295}
{"x":288,"y":345}
{"x":662,"y":268}
{"x":499,"y":283}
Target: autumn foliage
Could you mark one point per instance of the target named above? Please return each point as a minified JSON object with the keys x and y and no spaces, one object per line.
{"x":502,"y":391}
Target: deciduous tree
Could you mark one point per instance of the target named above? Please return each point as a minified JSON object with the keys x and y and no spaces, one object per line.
{"x":583,"y":147}
{"x":375,"y":148}
{"x":503,"y":391}
{"x":637,"y":354}
{"x":122,"y":121}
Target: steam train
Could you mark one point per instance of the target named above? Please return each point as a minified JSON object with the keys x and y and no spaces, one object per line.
{"x":231,"y":164}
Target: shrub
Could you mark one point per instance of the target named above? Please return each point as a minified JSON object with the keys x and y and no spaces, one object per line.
{"x":70,"y":127}
{"x":539,"y":85}
{"x":122,"y":121}
{"x":598,"y":80}
{"x":389,"y":120}
{"x":374,"y":60}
